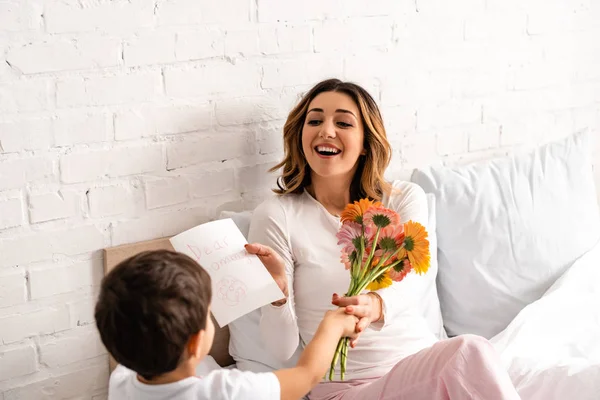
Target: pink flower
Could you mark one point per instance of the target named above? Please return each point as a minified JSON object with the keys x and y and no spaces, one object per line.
{"x":391,"y":237}
{"x":345,"y":260}
{"x":349,"y":236}
{"x":398,"y":274}
{"x":380,"y":217}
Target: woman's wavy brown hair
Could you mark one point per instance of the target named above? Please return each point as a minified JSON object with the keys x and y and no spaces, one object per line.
{"x":368,"y":180}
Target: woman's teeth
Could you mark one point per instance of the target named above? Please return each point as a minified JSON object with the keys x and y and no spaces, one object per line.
{"x":327,"y":151}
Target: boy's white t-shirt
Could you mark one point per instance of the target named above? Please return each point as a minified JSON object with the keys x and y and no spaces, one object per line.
{"x":223,"y":384}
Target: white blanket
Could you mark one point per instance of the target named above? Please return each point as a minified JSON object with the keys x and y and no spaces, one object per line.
{"x":552,"y":348}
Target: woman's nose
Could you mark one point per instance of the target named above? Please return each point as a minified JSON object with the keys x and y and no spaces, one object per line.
{"x":327,"y":130}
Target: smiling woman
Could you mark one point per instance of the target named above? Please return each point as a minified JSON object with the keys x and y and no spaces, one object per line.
{"x":342,"y":116}
{"x":336,"y":152}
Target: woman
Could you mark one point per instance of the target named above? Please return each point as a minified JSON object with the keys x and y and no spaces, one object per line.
{"x":336,"y":152}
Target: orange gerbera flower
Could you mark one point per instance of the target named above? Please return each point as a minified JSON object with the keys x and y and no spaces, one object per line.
{"x":382,"y":281}
{"x":354,"y":212}
{"x":416,"y":247}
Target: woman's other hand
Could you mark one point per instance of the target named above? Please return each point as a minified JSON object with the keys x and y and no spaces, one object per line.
{"x":274,"y":264}
{"x":366,"y":307}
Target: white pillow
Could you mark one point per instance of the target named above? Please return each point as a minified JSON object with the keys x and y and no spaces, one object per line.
{"x":423,"y":287}
{"x":241,"y":219}
{"x":508,"y":228}
{"x":430,"y":303}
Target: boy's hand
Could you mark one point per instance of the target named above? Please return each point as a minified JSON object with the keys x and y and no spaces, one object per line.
{"x":367,"y":307}
{"x":339,"y":319}
{"x":273,"y":263}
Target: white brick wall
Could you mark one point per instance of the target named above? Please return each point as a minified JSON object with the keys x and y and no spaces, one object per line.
{"x":26,"y":95}
{"x":77,"y":128}
{"x":52,"y":206}
{"x":150,"y":49}
{"x":18,"y":16}
{"x":11,"y":213}
{"x":155,"y":121}
{"x":65,"y":55}
{"x":120,"y":17}
{"x":13,"y":290}
{"x":18,"y":172}
{"x":67,"y":278}
{"x":198,"y":44}
{"x":25,"y":134}
{"x":94,"y":90}
{"x":212,"y":78}
{"x":111,"y":200}
{"x":70,"y":346}
{"x":47,"y":244}
{"x":87,"y":381}
{"x":14,"y":328}
{"x":110,"y":163}
{"x":17,"y":361}
{"x":129,"y":120}
{"x":166,"y":192}
{"x":222,"y":146}
{"x":82,"y":311}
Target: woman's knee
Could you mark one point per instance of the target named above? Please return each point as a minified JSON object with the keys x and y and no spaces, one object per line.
{"x":475,"y":347}
{"x":474,"y":343}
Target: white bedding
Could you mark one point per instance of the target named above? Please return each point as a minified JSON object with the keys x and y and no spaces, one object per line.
{"x":552,"y":348}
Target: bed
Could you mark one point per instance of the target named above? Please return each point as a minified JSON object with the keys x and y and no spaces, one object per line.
{"x":516,"y":248}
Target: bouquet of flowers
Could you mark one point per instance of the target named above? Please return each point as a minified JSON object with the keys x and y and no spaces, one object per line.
{"x":377,"y":250}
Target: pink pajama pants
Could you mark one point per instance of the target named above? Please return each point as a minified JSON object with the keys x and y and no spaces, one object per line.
{"x":462,"y":368}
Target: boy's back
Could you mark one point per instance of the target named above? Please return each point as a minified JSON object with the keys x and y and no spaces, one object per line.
{"x":153,"y":316}
{"x":218,"y":385}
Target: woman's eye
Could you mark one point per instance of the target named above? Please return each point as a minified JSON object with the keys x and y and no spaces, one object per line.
{"x":314,"y":122}
{"x":344,"y":124}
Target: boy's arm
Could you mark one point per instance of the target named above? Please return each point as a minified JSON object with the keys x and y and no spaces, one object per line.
{"x":316,"y":357}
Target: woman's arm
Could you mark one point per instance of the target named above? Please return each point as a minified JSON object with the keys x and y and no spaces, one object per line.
{"x":278,"y":325}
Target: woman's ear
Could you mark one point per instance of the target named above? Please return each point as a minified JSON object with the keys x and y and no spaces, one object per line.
{"x":194,"y":346}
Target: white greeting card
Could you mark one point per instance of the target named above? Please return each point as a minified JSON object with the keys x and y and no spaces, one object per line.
{"x":240,"y":282}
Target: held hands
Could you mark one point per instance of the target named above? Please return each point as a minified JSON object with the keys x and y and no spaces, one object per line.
{"x":274,"y":264}
{"x":339,"y":319}
{"x":366,"y":307}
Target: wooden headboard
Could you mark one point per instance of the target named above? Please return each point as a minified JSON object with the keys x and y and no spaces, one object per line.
{"x":114,"y":255}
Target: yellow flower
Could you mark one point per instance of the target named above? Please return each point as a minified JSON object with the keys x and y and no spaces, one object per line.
{"x":382,"y":281}
{"x":354,"y":211}
{"x":416,"y":247}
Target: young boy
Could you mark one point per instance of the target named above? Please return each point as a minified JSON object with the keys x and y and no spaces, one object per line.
{"x":153,"y":315}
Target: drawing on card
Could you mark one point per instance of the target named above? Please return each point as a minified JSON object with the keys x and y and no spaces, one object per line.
{"x":240,"y":282}
{"x":231,"y":291}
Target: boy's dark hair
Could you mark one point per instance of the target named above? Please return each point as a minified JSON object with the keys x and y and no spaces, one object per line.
{"x":149,"y":307}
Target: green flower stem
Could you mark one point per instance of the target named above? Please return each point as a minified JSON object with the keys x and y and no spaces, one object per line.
{"x":357,"y":285}
{"x":364,"y":269}
{"x":360,"y":257}
{"x":353,"y":285}
{"x":336,"y":356}
{"x":376,"y":271}
{"x":344,"y":358}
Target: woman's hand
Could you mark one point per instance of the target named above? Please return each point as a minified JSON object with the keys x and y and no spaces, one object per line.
{"x":339,"y":319}
{"x":274,"y":264}
{"x":366,"y":307}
